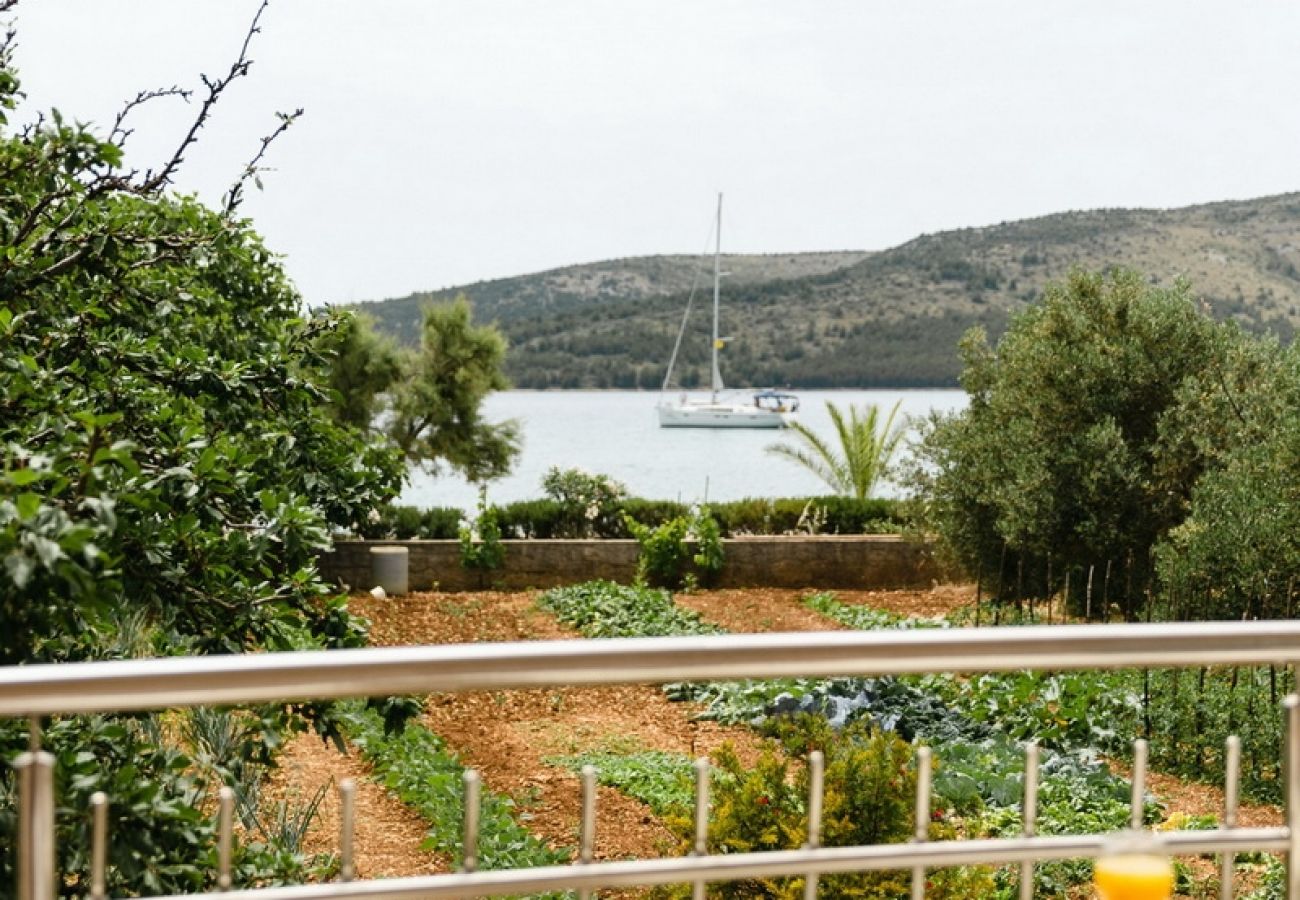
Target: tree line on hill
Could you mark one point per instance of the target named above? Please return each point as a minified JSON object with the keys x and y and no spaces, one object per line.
{"x":869,"y":320}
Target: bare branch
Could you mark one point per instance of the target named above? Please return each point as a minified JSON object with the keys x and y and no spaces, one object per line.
{"x":236,"y":193}
{"x":119,"y":134}
{"x":216,"y":88}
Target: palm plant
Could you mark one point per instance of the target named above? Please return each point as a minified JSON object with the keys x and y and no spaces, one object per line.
{"x":865,"y":448}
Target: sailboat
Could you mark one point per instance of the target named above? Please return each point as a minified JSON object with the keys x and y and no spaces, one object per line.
{"x":761,"y":409}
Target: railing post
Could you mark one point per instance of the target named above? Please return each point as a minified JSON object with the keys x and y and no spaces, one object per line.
{"x":347,"y":829}
{"x":1292,"y":706}
{"x":1029,"y":817}
{"x":701,"y":847}
{"x":816,"y":797}
{"x":922,"y":830}
{"x":36,"y":878}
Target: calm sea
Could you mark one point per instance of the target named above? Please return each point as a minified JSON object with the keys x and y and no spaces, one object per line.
{"x":616,"y":433}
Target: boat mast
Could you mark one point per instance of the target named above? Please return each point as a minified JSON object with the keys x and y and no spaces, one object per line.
{"x":717,"y":282}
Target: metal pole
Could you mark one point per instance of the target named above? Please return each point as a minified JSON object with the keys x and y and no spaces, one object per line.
{"x":701,"y":819}
{"x":716,"y":375}
{"x":816,"y":794}
{"x":1292,"y":706}
{"x":225,"y":837}
{"x":36,"y":874}
{"x":587,"y":836}
{"x":922,"y":831}
{"x":473,"y":788}
{"x":98,"y":845}
{"x":1231,"y":780}
{"x":122,"y":685}
{"x":1030,"y":820}
{"x":347,"y":829}
{"x":1137,"y":807}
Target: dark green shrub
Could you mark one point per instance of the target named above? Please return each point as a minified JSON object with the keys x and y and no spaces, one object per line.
{"x":666,"y":559}
{"x":648,"y":512}
{"x":809,"y":515}
{"x":1065,"y":460}
{"x":754,"y":515}
{"x":440,"y":523}
{"x":531,"y":519}
{"x":845,"y":515}
{"x":408,"y":522}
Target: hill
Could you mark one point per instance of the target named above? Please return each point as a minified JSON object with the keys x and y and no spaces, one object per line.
{"x":859,"y":319}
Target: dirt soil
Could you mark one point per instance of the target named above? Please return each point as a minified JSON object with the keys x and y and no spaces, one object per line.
{"x":510,"y":735}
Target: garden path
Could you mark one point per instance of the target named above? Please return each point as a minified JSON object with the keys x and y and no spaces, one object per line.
{"x":509,"y":735}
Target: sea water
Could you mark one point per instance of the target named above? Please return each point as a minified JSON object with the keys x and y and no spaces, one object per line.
{"x":617,"y":433}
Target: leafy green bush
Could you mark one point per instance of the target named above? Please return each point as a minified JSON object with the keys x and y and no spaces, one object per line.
{"x":869,"y":785}
{"x":798,"y":515}
{"x":1063,"y":461}
{"x":480,"y":541}
{"x":589,"y":502}
{"x":169,"y":450}
{"x":163,"y":835}
{"x":665,"y":558}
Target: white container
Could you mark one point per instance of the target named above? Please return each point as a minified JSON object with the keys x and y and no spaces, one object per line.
{"x":390,"y":569}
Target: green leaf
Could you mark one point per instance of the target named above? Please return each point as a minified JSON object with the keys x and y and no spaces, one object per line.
{"x":28,"y":504}
{"x":23,"y":477}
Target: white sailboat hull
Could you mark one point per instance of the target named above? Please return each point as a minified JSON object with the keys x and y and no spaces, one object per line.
{"x":769,"y":409}
{"x":706,"y":414}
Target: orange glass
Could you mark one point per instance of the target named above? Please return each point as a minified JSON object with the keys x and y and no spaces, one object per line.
{"x":1134,"y":876}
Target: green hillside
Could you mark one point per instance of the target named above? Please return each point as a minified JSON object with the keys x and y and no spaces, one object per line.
{"x":857,"y":319}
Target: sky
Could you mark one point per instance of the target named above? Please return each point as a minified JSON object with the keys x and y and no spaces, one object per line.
{"x":449,"y":142}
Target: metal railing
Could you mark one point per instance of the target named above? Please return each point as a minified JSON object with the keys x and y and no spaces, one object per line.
{"x":48,"y":690}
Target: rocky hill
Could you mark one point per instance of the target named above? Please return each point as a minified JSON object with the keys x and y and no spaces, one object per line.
{"x":859,"y":319}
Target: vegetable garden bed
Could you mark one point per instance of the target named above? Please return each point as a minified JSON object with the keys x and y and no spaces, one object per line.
{"x":529,"y":744}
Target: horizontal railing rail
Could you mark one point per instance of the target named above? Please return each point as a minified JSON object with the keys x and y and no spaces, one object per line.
{"x":129,"y":685}
{"x":36,"y":691}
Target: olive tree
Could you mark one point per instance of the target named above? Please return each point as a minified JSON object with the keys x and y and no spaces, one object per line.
{"x":427,"y":400}
{"x":1059,"y":466}
{"x":1237,"y":553}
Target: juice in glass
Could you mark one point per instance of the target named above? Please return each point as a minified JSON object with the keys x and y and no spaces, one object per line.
{"x":1134,"y":876}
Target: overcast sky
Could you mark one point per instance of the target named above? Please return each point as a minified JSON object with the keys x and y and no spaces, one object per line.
{"x":450,"y":142}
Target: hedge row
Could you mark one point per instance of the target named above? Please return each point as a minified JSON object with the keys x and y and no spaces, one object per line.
{"x":547,"y":518}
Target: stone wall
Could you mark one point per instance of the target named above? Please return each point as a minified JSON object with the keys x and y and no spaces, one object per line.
{"x":822,"y":561}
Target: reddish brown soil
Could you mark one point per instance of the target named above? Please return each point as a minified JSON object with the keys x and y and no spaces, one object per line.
{"x":387,"y":833}
{"x":750,"y":610}
{"x":508,"y":735}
